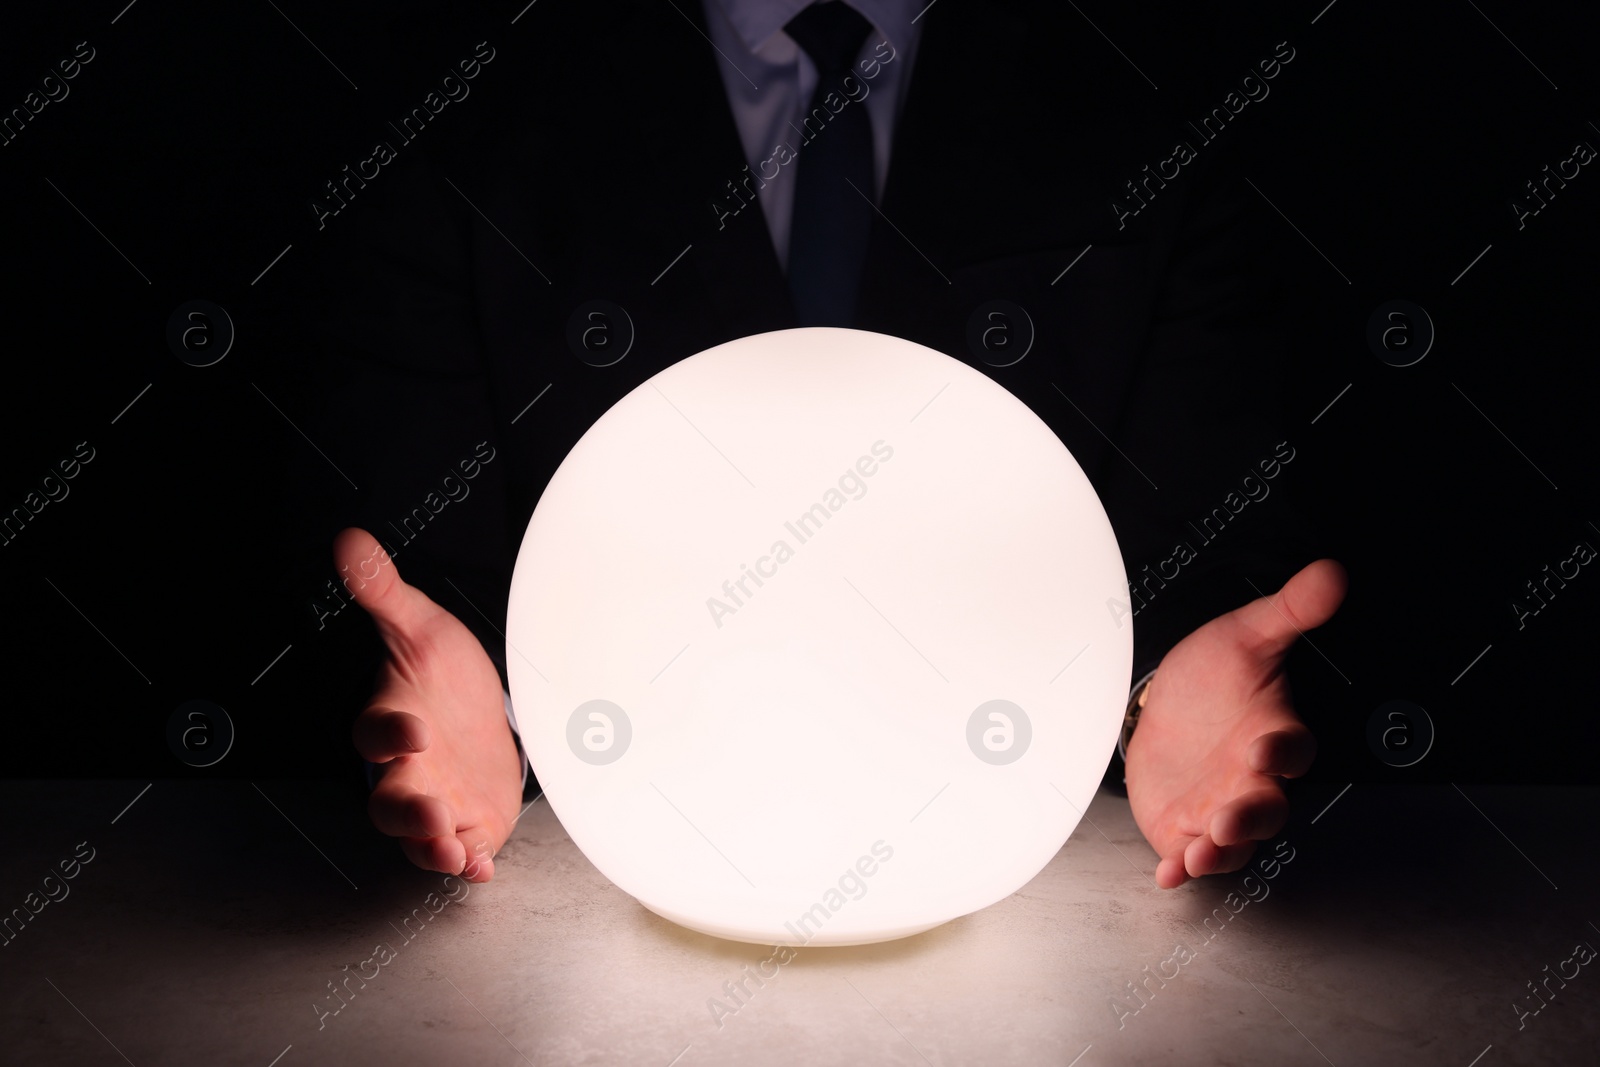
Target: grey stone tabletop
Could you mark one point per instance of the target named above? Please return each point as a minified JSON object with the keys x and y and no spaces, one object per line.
{"x":265,"y":923}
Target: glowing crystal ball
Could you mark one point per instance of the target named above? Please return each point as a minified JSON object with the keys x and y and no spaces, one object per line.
{"x":809,"y":640}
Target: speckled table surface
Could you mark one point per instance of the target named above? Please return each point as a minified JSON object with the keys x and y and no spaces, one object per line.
{"x":208,"y":923}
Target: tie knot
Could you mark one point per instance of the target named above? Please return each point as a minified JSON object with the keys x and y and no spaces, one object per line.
{"x":831,"y":32}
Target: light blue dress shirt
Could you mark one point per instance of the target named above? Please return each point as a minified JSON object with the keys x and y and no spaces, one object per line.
{"x":769,"y":81}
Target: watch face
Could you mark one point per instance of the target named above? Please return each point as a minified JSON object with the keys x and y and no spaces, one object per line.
{"x":787,"y":640}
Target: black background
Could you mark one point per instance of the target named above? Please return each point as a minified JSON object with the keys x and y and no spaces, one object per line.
{"x":196,"y":540}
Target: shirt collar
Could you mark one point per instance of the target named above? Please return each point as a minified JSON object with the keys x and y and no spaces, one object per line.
{"x":756,"y":21}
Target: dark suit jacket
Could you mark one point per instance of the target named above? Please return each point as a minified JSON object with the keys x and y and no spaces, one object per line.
{"x":603,"y":142}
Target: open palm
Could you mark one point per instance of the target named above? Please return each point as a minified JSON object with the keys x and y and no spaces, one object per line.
{"x":451,"y":779}
{"x":1218,"y":732}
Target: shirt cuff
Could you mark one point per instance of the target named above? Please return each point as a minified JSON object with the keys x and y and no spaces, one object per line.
{"x":1125,"y":733}
{"x":511,"y":720}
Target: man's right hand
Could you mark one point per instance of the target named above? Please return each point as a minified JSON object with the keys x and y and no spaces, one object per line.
{"x":451,"y":775}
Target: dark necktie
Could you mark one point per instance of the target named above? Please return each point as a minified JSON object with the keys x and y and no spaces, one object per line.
{"x":829,"y":227}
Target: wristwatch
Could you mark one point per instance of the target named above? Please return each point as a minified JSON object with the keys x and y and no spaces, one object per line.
{"x":1130,"y":717}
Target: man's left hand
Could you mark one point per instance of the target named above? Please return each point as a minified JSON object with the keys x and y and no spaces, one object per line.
{"x":1218,"y":732}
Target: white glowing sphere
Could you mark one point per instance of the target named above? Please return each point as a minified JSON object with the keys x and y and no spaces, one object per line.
{"x":809,"y":640}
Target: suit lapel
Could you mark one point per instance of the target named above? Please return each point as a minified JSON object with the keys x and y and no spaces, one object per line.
{"x":693,"y":151}
{"x":910,"y":255}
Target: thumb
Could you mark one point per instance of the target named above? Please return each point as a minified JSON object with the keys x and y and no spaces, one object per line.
{"x":1306,"y":601}
{"x":370,"y":575}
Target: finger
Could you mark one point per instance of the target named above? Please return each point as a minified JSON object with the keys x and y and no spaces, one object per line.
{"x":370,"y":575}
{"x":442,"y":854}
{"x":1306,"y":601}
{"x":400,"y":806}
{"x":480,"y":867}
{"x":1170,"y":872}
{"x":1286,"y":753}
{"x":1255,"y":816}
{"x":1204,"y":856}
{"x":381,"y":734}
